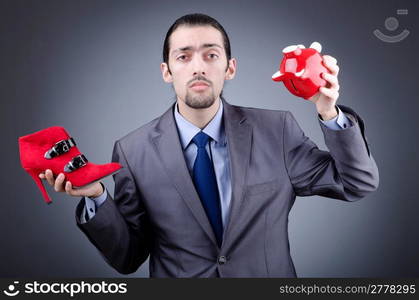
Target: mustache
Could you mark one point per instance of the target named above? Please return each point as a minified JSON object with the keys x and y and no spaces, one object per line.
{"x":199,"y":78}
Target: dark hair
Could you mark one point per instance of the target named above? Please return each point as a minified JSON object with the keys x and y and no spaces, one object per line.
{"x":196,"y":20}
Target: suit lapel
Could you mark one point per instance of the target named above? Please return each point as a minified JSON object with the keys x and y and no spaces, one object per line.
{"x":239,"y":141}
{"x":167,"y":144}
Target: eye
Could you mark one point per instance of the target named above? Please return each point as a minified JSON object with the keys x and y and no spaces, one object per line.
{"x":181,"y":57}
{"x":212,"y":55}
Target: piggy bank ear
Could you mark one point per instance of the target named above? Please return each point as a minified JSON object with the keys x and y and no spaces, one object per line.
{"x":316,"y":46}
{"x":289,"y":48}
{"x":292,"y":48}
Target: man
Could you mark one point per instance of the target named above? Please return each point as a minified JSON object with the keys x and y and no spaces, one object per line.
{"x":207,"y":187}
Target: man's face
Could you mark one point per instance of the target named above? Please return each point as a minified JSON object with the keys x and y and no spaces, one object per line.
{"x":197,"y":65}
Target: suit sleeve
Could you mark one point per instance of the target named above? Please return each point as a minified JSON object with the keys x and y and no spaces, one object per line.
{"x":120,"y":228}
{"x":347,"y":172}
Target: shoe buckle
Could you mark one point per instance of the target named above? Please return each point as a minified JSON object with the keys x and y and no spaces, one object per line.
{"x":59,"y":148}
{"x":76,"y":163}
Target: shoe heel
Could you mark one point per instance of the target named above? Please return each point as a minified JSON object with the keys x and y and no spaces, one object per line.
{"x":35,"y":175}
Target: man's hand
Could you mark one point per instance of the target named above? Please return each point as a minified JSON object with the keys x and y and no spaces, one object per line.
{"x":60,"y":185}
{"x":327,"y":96}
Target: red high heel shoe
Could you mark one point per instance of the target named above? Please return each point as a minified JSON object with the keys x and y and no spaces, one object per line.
{"x":52,"y":148}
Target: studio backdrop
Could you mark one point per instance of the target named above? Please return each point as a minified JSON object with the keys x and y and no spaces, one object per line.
{"x":93,"y":67}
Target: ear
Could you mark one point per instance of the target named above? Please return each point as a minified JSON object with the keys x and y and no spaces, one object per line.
{"x":231,"y":69}
{"x":316,"y":46}
{"x":167,"y":76}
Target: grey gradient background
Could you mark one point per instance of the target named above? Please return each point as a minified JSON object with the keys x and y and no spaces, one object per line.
{"x":93,"y":67}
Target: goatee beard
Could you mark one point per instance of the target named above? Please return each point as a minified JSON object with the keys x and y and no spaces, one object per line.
{"x":199,"y":101}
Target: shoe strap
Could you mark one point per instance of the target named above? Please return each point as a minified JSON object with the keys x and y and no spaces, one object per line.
{"x":76,"y":163}
{"x":59,"y":148}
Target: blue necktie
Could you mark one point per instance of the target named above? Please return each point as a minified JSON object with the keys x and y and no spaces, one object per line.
{"x":206,"y":185}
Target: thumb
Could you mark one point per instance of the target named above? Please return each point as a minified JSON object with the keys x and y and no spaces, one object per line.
{"x":315,"y":97}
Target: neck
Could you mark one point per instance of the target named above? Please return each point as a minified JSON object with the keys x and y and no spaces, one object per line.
{"x":199,"y":117}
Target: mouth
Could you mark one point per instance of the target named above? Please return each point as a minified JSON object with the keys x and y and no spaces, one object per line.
{"x":293,"y":85}
{"x":199,"y":86}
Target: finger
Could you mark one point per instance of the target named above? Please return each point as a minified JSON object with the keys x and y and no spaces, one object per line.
{"x":332,"y":80}
{"x":50,"y":177}
{"x":41,"y":175}
{"x":334,"y":69}
{"x":69,"y":188}
{"x":330,"y":60}
{"x":331,"y":64}
{"x":58,"y":186}
{"x":70,"y":191}
{"x":330,"y":93}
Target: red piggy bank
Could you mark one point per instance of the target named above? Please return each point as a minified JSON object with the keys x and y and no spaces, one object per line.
{"x":301,"y":69}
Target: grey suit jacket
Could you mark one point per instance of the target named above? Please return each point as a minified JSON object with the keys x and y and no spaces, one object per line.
{"x":156,"y":210}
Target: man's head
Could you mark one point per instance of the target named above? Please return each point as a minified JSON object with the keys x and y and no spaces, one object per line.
{"x":197,"y":60}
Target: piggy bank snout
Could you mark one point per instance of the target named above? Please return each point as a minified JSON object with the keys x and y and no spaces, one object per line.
{"x":278,"y":76}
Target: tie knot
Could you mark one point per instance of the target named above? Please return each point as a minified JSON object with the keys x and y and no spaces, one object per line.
{"x":201,"y":139}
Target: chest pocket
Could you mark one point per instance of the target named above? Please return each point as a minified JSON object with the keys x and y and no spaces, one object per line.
{"x":262,"y":188}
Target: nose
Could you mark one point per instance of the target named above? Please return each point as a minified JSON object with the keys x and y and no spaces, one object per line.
{"x":198,"y":65}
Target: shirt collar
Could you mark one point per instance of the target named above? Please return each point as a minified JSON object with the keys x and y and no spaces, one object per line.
{"x":187,"y":130}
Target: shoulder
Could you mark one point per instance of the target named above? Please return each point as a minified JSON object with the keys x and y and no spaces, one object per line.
{"x":139,"y":135}
{"x":262,"y":116}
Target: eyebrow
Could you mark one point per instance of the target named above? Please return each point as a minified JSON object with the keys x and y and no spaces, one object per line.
{"x":207,"y":45}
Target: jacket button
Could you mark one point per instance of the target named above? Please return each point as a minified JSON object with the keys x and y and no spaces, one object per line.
{"x":222,"y":260}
